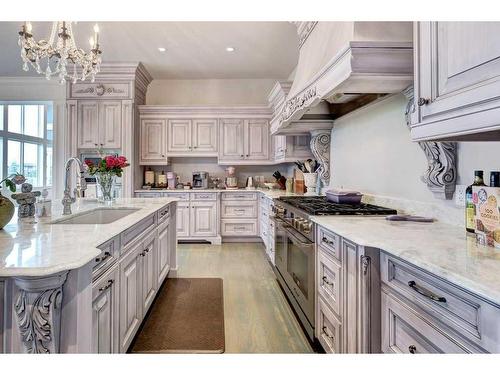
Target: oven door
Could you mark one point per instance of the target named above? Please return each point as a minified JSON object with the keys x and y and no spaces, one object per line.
{"x":299,"y":270}
{"x":279,"y":245}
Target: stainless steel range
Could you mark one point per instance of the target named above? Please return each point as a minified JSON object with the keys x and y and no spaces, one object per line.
{"x":295,"y":244}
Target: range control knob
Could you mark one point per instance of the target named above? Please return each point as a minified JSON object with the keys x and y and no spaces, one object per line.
{"x":307,"y":227}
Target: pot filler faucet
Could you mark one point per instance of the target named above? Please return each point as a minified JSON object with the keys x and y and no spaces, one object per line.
{"x":68,"y":199}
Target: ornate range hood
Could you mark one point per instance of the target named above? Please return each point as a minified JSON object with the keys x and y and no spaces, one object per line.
{"x":343,"y":66}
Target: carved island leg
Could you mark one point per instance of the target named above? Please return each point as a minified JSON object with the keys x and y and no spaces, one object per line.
{"x":320,"y":147}
{"x":38,"y":312}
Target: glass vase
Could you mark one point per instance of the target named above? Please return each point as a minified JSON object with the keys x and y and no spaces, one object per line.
{"x":105,"y":186}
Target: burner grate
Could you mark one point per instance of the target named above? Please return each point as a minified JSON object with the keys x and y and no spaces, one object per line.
{"x":321,"y":206}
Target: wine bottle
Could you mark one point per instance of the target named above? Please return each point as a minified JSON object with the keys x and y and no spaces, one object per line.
{"x":470,"y":208}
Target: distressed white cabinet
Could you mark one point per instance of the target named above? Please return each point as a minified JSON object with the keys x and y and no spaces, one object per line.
{"x":153,"y":142}
{"x":163,"y":251}
{"x":99,"y":124}
{"x":257,"y":139}
{"x":232,"y":142}
{"x":149,"y":271}
{"x":2,"y":309}
{"x":88,"y":123}
{"x":105,"y":312}
{"x":193,"y":137}
{"x":203,"y":219}
{"x":289,"y":148}
{"x":179,"y":136}
{"x":205,"y":136}
{"x":457,"y":81}
{"x":244,"y":140}
{"x":130,"y":296}
{"x":183,"y":219}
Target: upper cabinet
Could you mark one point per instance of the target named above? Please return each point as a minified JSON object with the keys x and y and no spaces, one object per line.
{"x":188,"y":136}
{"x":290,"y":148}
{"x":457,"y":81}
{"x":153,"y":142}
{"x":244,"y":141}
{"x":99,"y":124}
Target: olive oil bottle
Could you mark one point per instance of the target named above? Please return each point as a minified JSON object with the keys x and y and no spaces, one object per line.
{"x":470,"y":210}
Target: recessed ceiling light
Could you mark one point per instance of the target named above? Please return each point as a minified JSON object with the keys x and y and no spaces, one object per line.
{"x":230,"y":49}
{"x":161,"y":49}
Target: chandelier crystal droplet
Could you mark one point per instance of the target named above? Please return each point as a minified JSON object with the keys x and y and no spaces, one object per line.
{"x":61,"y":52}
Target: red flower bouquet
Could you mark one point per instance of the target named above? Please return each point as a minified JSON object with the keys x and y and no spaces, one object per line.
{"x":108,"y":164}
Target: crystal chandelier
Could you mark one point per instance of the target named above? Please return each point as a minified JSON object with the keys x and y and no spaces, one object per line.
{"x":60,"y":51}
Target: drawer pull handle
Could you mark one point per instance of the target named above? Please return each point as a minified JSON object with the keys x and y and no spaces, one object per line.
{"x":163,"y":213}
{"x":107,"y":254}
{"x":426,"y":293}
{"x":325,"y":331}
{"x":107,"y":286}
{"x":327,"y":241}
{"x":325,"y":279}
{"x":412,"y":349}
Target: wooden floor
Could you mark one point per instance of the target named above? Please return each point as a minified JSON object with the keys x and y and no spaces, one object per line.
{"x":257,"y":316}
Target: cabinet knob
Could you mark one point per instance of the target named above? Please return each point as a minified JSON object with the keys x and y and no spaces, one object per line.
{"x":242,"y":155}
{"x":412,"y":349}
{"x":248,"y":155}
{"x":163,"y":156}
{"x":423,"y":101}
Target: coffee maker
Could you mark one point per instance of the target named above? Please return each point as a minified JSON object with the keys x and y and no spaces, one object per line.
{"x":200,"y":180}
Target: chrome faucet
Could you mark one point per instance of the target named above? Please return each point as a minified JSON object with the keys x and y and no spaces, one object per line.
{"x":68,"y":199}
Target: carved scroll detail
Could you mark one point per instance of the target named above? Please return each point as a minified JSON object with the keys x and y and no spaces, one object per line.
{"x":37,"y":308}
{"x":297,"y":102}
{"x":320,"y":147}
{"x":365,"y":263}
{"x":441,"y":174}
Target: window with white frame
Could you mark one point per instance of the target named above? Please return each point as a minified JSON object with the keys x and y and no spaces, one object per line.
{"x":26,"y":141}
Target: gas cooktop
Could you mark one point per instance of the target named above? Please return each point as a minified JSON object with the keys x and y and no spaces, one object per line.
{"x":319,"y":205}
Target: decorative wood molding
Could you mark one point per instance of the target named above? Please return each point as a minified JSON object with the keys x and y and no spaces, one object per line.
{"x":304,"y":29}
{"x":203,"y":111}
{"x":298,"y":103}
{"x":38,"y":311}
{"x":320,"y":147}
{"x":441,"y":174}
{"x":365,"y":263}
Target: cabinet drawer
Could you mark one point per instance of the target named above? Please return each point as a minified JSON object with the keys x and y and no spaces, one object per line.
{"x":179,"y":196}
{"x":444,"y":302}
{"x":404,"y":331}
{"x":138,"y":230}
{"x":330,"y":242}
{"x":148,"y":195}
{"x":203,"y":196}
{"x":238,"y":227}
{"x":109,"y":254}
{"x":163,"y":214}
{"x":239,"y":196}
{"x":235,"y":209}
{"x":328,"y":281}
{"x":328,"y":328}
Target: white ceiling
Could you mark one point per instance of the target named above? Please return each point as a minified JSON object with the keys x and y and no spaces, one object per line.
{"x":195,"y":50}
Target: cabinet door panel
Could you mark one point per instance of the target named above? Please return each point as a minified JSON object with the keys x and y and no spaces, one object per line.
{"x":205,"y":136}
{"x":88,"y":124}
{"x":459,"y":66}
{"x":105,"y":304}
{"x":203,"y":219}
{"x":231,"y":139}
{"x":149,"y":272}
{"x":257,"y":140}
{"x":163,"y":252}
{"x":153,"y":141}
{"x":110,"y":122}
{"x":182,"y":220}
{"x":130,"y":296}
{"x":179,"y":136}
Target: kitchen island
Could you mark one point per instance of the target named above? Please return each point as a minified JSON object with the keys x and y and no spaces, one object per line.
{"x":83,"y":283}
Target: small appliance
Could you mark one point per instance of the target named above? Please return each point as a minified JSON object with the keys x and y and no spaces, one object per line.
{"x":250,"y":184}
{"x":171,"y":180}
{"x":231,"y":180}
{"x":200,"y":180}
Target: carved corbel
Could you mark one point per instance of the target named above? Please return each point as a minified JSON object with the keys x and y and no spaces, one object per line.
{"x":38,"y":311}
{"x":320,"y":147}
{"x":441,"y":174}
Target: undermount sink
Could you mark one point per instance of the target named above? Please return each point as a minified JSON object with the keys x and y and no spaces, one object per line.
{"x":97,"y":216}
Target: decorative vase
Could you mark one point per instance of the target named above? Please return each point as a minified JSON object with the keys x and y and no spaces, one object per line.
{"x":7,"y":210}
{"x":105,"y":186}
{"x":310,"y":180}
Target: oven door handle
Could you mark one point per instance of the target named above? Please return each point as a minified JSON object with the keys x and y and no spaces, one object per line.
{"x":297,"y":241}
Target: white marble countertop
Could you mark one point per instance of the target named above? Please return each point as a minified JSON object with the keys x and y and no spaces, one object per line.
{"x":271,"y":193}
{"x":442,"y":249}
{"x":42,"y":248}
